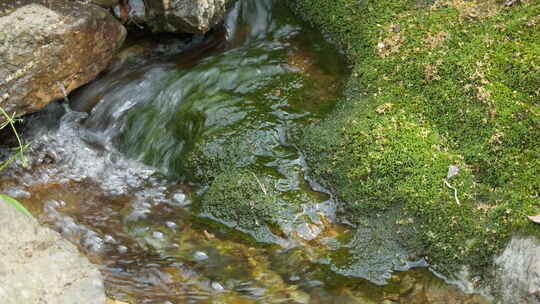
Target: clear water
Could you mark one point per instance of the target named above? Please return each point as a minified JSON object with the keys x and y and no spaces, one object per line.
{"x":124,"y":171}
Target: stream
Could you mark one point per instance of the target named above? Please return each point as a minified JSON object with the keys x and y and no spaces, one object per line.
{"x":177,"y":173}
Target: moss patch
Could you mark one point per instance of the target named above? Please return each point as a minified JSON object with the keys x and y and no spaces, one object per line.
{"x":247,"y":202}
{"x":435,"y":83}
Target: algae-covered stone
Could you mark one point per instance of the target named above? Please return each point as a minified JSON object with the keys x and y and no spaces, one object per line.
{"x":39,"y":266}
{"x":49,"y":48}
{"x":249,"y":202}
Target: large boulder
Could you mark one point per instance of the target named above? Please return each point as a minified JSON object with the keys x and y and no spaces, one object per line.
{"x":38,"y":266}
{"x":518,"y":271}
{"x":49,"y":48}
{"x":176,"y":16}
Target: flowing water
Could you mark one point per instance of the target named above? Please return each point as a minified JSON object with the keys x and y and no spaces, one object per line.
{"x":177,"y":172}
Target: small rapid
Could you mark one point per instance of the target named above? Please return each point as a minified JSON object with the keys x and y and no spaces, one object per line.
{"x":178,"y":174}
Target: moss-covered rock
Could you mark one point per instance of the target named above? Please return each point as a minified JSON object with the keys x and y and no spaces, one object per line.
{"x":248,"y":203}
{"x":435,"y":84}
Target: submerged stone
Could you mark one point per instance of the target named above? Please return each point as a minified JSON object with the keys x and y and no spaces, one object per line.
{"x":375,"y":248}
{"x":250,"y":203}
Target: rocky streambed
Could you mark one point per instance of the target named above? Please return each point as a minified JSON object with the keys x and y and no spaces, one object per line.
{"x":177,"y":173}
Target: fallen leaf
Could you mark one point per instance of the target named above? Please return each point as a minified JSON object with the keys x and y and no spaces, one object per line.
{"x":535,"y":218}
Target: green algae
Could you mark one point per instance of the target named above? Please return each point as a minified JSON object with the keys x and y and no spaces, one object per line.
{"x":435,"y":84}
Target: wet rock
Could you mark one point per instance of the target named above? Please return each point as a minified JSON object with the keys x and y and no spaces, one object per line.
{"x":39,"y":266}
{"x":518,"y":271}
{"x":141,"y":51}
{"x":250,"y":202}
{"x":49,"y":48}
{"x":177,"y":16}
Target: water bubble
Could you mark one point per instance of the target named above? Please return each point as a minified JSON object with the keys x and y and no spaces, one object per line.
{"x":179,"y":197}
{"x":200,"y":256}
{"x":217,"y":287}
{"x":109,"y":239}
{"x":122,"y":249}
{"x":314,"y":283}
{"x":93,"y":243}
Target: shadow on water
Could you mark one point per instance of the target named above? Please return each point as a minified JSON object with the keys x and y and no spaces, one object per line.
{"x":177,"y":172}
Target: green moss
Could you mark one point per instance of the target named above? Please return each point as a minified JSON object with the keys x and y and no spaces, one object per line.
{"x":246,"y":202}
{"x":235,"y":193}
{"x":435,"y":84}
{"x":213,"y":156}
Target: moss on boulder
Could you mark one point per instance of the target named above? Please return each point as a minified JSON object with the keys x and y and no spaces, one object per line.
{"x":435,"y":84}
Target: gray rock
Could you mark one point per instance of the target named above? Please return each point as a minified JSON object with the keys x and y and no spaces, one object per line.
{"x":38,"y":266}
{"x":50,"y":47}
{"x":518,"y":271}
{"x":178,"y":16}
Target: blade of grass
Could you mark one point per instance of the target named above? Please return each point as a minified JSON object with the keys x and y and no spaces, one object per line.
{"x":11,"y":120}
{"x":15,"y":204}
